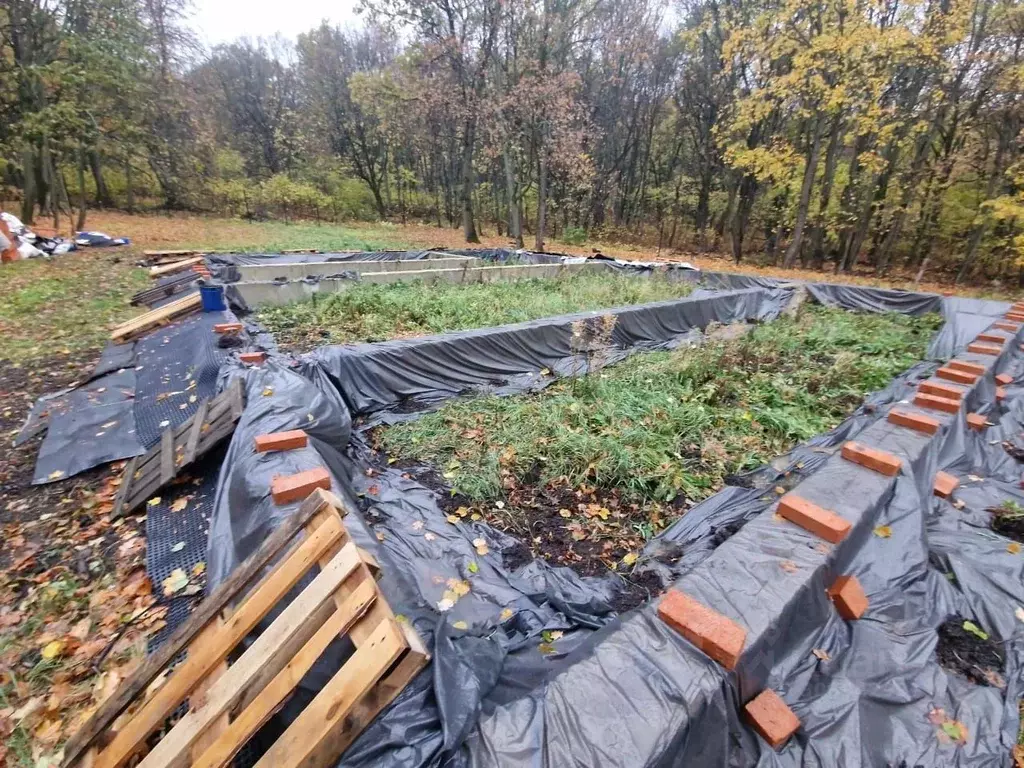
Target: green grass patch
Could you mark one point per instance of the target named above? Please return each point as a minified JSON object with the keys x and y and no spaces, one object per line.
{"x":373,"y":312}
{"x":670,"y":424}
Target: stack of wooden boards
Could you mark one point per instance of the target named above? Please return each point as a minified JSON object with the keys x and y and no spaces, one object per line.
{"x":227,"y":704}
{"x":170,"y":311}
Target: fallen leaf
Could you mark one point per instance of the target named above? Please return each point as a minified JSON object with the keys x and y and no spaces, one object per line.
{"x":453,"y":519}
{"x":481,"y":546}
{"x":460,"y":625}
{"x":81,"y":629}
{"x":179,"y":504}
{"x":1019,"y":613}
{"x":268,"y":391}
{"x":445,"y":604}
{"x":178,"y":547}
{"x":629,"y":558}
{"x":565,"y":513}
{"x":883,"y":531}
{"x":506,"y":614}
{"x":472,"y":567}
{"x":956,"y":730}
{"x":165,"y":423}
{"x":174,"y":583}
{"x":53,"y":649}
{"x":1013,"y":548}
{"x":154,"y":501}
{"x":975,"y":630}
{"x":57,"y":474}
{"x":31,"y":706}
{"x":429,"y":536}
{"x":199,"y":568}
{"x":417,"y":525}
{"x":821,"y":653}
{"x":994,"y":678}
{"x":789,"y":566}
{"x":546,"y":648}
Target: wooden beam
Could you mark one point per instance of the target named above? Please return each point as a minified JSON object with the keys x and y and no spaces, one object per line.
{"x":205,"y":612}
{"x":153,"y":318}
{"x":174,"y":266}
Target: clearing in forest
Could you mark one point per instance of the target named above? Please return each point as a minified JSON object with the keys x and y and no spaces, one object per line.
{"x":587,"y":470}
{"x":370,"y":312}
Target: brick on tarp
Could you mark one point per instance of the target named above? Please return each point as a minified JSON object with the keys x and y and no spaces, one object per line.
{"x":769,"y":715}
{"x":871,"y":458}
{"x":960,"y":377}
{"x":923,"y":400}
{"x":995,"y":338}
{"x":253,"y":358}
{"x":227,"y":328}
{"x":1003,"y":325}
{"x":916,"y":421}
{"x":939,"y":389}
{"x":977,"y":422}
{"x":945,"y":484}
{"x":281,"y":441}
{"x":820,"y":521}
{"x":980,"y":348}
{"x":1000,"y":394}
{"x":848,"y":597}
{"x":716,"y":635}
{"x":288,"y":488}
{"x":1015,"y":316}
{"x":965,"y":365}
{"x":1003,"y":379}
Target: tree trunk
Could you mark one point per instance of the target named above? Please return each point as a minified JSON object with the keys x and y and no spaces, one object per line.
{"x":102,"y":191}
{"x":980,"y":227}
{"x":804,"y":203}
{"x":28,"y":189}
{"x":515,"y":225}
{"x":129,"y":191}
{"x":831,"y":161}
{"x":80,"y":223}
{"x":468,"y":227}
{"x":542,"y":197}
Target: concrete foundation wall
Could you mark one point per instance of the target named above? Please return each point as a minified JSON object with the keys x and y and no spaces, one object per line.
{"x":268,"y":272}
{"x":261,"y":293}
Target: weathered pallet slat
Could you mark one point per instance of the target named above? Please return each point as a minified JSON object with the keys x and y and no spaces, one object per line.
{"x":179,"y":446}
{"x":229,"y":704}
{"x":175,"y":266}
{"x":155,"y":318}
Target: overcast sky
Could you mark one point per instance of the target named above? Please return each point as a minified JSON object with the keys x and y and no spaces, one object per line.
{"x":221,"y":21}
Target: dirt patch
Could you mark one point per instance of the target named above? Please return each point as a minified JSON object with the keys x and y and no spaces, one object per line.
{"x":1008,"y":521}
{"x":971,"y":654}
{"x":588,"y":530}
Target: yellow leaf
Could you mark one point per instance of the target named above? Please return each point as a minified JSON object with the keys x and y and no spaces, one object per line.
{"x":506,"y":614}
{"x":1013,"y":548}
{"x":268,"y":391}
{"x":199,"y":569}
{"x":179,"y":504}
{"x":154,"y":501}
{"x":565,"y":513}
{"x":56,"y":474}
{"x":629,"y":558}
{"x":883,"y":531}
{"x":453,"y":519}
{"x":176,"y":582}
{"x":53,"y":649}
{"x":481,"y":546}
{"x":460,"y":625}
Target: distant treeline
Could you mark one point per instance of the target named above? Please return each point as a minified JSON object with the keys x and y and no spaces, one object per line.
{"x":833,"y":134}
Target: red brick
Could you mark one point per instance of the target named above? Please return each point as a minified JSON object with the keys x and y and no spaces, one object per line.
{"x":937,"y":388}
{"x":977,"y":422}
{"x":768,"y":714}
{"x":1000,"y":394}
{"x":818,"y":520}
{"x":995,"y":338}
{"x":1016,"y":316}
{"x":719,"y":637}
{"x":915,"y":421}
{"x":848,"y":596}
{"x":872,"y":458}
{"x":963,"y":365}
{"x":288,"y":488}
{"x":983,"y":349}
{"x":255,"y":358}
{"x":281,"y":441}
{"x":1005,"y":326}
{"x":227,"y":328}
{"x":1004,"y":379}
{"x":960,"y":377}
{"x":945,"y":484}
{"x":922,"y":400}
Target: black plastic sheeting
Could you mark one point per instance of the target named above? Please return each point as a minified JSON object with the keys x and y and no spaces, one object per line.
{"x":628,"y":691}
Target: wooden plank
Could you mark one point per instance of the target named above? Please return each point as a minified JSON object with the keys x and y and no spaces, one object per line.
{"x":166,"y":457}
{"x":271,"y":697}
{"x":152,"y":319}
{"x":317,"y":736}
{"x":206,"y":636}
{"x":209,"y":608}
{"x":193,"y":436}
{"x":127,"y":478}
{"x":174,"y":266}
{"x":265,"y":654}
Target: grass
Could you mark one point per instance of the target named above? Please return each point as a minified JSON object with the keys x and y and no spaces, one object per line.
{"x":372,"y":312}
{"x":676,"y":423}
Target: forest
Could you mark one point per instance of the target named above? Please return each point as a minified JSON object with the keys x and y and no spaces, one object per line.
{"x":877,"y":135}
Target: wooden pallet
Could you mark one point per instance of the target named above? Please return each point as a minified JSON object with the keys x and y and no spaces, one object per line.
{"x":175,"y":266}
{"x":155,"y":318}
{"x":227,"y":704}
{"x":165,"y":257}
{"x":178,"y":447}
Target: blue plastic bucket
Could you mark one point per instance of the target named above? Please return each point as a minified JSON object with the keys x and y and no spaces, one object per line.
{"x":212,"y":297}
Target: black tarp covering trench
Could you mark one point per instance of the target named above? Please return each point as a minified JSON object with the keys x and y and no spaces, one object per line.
{"x":628,"y":691}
